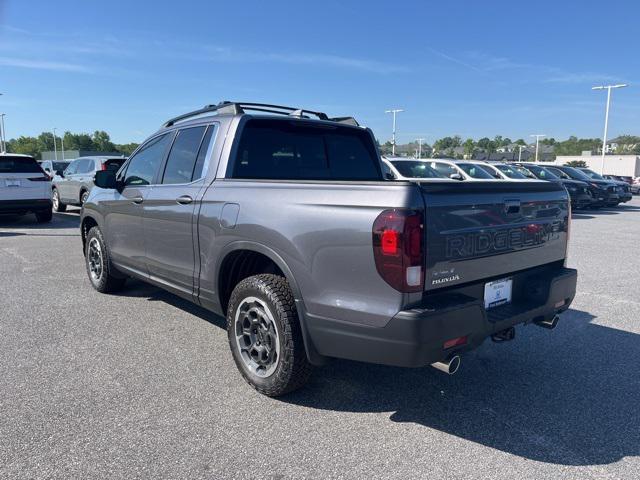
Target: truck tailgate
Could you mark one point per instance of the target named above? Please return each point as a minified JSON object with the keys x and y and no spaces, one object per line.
{"x":483,"y":230}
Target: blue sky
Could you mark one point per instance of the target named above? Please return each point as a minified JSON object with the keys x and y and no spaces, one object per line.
{"x":469,"y":68}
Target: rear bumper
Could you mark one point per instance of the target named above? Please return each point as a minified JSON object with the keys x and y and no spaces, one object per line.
{"x":24,"y":206}
{"x":415,"y":337}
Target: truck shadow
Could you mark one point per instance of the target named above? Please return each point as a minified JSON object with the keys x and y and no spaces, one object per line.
{"x":566,"y":397}
{"x":27,"y":223}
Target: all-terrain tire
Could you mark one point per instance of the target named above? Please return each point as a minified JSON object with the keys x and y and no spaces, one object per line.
{"x":109,"y":279}
{"x":44,"y":216}
{"x":292,"y":369}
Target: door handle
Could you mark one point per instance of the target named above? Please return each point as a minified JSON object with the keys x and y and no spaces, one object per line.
{"x":184,"y":200}
{"x":137,"y":200}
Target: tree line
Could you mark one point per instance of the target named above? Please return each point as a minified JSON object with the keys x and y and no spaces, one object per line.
{"x":98,"y":141}
{"x":456,"y":147}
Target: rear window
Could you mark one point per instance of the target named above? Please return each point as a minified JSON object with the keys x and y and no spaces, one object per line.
{"x":114,"y":163}
{"x":412,"y":169}
{"x":293,"y":150}
{"x":474,"y":171}
{"x":9,"y":164}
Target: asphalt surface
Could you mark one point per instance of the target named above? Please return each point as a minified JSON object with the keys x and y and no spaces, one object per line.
{"x":142,"y":384}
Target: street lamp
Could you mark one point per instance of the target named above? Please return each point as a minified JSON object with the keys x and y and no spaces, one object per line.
{"x":538,"y":137}
{"x":3,"y":139}
{"x":419,"y":147}
{"x":606,"y":117}
{"x":520,"y":147}
{"x":394,"y":112}
{"x":55,"y":149}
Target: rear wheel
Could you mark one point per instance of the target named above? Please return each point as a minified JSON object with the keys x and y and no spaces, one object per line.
{"x":103,"y":276}
{"x":265,"y":335}
{"x":58,"y":206}
{"x":44,"y":216}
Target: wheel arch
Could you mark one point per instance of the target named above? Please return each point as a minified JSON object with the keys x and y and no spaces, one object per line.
{"x":231,"y":253}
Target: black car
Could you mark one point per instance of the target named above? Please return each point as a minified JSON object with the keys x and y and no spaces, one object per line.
{"x":579,"y":191}
{"x":604,"y":192}
{"x":623,"y":188}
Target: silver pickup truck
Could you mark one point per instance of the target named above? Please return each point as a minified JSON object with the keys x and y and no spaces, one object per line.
{"x":281,"y":220}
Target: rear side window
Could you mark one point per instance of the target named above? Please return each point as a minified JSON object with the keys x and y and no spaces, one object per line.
{"x":183,"y":155}
{"x":9,"y":164}
{"x":291,"y":150}
{"x":86,"y":166}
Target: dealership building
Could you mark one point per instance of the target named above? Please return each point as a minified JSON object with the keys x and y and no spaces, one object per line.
{"x":625,"y":165}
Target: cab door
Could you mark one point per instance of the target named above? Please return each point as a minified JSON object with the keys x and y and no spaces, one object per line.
{"x":170,"y":210}
{"x":124,"y":207}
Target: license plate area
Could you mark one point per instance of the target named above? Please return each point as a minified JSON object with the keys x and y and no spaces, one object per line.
{"x":497,"y":293}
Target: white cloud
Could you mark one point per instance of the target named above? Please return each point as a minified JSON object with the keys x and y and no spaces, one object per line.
{"x":42,"y":65}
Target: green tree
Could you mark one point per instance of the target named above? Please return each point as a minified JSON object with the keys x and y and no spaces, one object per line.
{"x":487,"y":145}
{"x":469,"y":146}
{"x":576,"y":163}
{"x":102,"y":141}
{"x":126,"y":148}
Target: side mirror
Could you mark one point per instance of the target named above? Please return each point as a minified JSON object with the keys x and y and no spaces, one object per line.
{"x":456,"y":176}
{"x":105,"y":179}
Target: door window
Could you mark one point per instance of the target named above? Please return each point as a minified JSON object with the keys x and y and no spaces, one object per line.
{"x":183,"y":156}
{"x":143,"y":165}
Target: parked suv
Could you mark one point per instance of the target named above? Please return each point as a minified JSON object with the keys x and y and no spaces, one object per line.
{"x":284,"y":223}
{"x":72,"y":187}
{"x":622,"y":188}
{"x":24,"y":187}
{"x":54,"y":167}
{"x":604,"y":192}
{"x":578,"y":190}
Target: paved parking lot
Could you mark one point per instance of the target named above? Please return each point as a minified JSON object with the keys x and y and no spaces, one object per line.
{"x":141,"y":384}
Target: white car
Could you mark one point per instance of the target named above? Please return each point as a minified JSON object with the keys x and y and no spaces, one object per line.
{"x":402,"y":168}
{"x":504,"y":171}
{"x":460,"y":170}
{"x":24,"y":187}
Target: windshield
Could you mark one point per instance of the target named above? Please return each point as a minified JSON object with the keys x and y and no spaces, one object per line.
{"x":575,"y":173}
{"x":60,"y":166}
{"x":510,"y":172}
{"x":10,"y":164}
{"x":525,"y":172}
{"x":416,"y":169}
{"x":543,"y":173}
{"x":591,"y":174}
{"x":474,"y":171}
{"x":490,"y":171}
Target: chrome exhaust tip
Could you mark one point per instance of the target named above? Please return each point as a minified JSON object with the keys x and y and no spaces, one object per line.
{"x":549,"y":324}
{"x":449,"y":366}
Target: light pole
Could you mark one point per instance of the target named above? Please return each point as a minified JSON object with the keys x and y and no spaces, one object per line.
{"x":520,"y":147}
{"x":419,"y":147}
{"x":394,"y":112}
{"x":55,"y":149}
{"x":62,"y":143}
{"x":606,"y":118}
{"x":538,"y":137}
{"x":3,"y":139}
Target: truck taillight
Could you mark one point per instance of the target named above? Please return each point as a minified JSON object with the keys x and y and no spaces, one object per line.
{"x":398,"y":249}
{"x":566,"y":247}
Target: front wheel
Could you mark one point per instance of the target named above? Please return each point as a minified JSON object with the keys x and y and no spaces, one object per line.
{"x":265,"y":335}
{"x":83,"y":197}
{"x":103,"y":276}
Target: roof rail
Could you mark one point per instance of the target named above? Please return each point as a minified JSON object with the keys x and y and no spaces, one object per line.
{"x":237,"y":108}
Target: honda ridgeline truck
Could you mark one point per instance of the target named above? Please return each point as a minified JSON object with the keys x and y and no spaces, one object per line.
{"x":281,"y":220}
